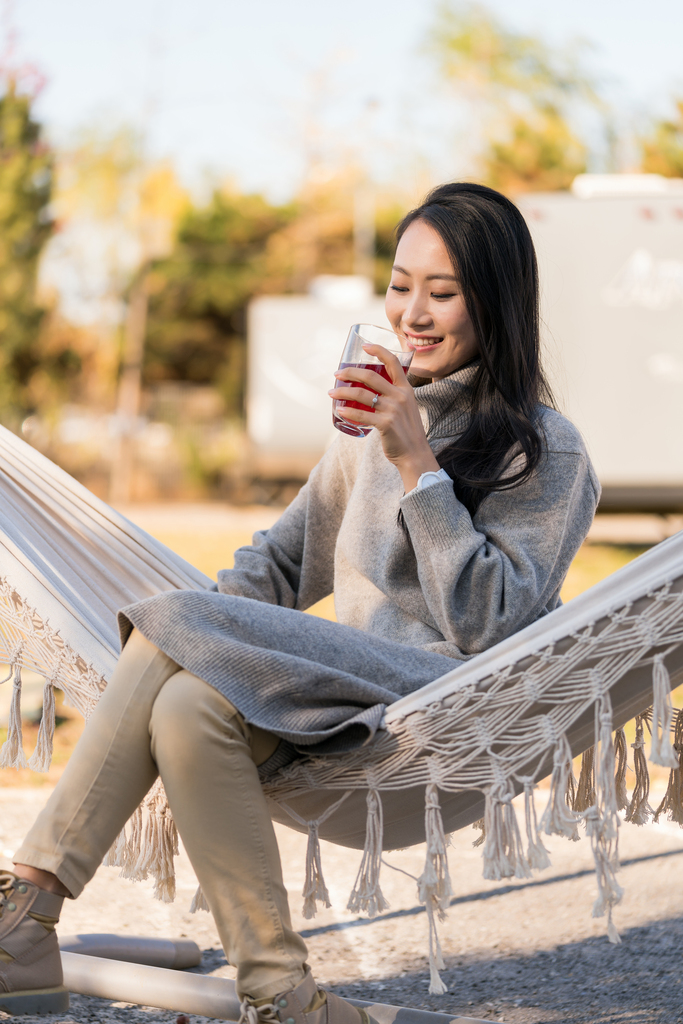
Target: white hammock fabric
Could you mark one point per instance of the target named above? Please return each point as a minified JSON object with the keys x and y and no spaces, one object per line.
{"x":455,"y":751}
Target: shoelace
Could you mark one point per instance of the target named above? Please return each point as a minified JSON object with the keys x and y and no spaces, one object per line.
{"x":8,"y":882}
{"x":250,"y":1014}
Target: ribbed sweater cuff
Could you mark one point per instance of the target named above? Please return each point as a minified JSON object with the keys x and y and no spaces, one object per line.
{"x":434,"y":514}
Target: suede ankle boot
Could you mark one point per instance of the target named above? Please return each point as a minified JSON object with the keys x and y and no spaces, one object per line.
{"x":31,"y":979}
{"x":305,"y":1004}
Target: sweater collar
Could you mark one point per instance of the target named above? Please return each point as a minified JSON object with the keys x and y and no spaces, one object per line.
{"x":445,"y":404}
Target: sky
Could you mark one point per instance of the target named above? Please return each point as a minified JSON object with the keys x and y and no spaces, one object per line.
{"x":241,"y":87}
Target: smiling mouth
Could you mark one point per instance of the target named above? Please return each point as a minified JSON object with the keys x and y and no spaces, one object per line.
{"x":418,"y":343}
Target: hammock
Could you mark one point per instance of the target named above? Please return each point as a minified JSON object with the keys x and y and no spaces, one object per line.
{"x":454,"y":753}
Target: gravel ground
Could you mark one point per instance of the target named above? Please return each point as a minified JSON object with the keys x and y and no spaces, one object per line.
{"x":523,"y":952}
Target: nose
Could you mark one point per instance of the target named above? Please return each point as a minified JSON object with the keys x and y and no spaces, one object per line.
{"x":416,"y":315}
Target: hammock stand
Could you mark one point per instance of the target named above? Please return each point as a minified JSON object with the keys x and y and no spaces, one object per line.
{"x":454,"y":753}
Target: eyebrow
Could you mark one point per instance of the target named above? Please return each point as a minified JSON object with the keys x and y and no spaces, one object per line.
{"x":429,"y":277}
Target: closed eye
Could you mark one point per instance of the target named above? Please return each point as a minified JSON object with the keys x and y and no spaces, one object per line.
{"x":396,"y":288}
{"x":443,"y":295}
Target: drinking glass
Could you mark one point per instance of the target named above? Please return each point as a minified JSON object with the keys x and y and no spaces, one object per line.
{"x":355,"y":355}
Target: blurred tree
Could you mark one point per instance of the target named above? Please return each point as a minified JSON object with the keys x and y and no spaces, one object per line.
{"x":541,"y":154}
{"x":499,"y":65}
{"x":238,"y":246}
{"x":26,"y":166}
{"x":199,"y":293}
{"x":318,"y":238}
{"x":662,"y":152}
{"x":388,"y":215}
{"x":522,"y":92}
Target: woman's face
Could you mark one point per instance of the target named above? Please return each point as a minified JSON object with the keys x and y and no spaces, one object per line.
{"x":425,"y":304}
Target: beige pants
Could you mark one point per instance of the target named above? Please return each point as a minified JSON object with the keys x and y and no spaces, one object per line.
{"x":157,"y":719}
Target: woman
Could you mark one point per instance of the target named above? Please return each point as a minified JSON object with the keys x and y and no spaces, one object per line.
{"x":450,"y":527}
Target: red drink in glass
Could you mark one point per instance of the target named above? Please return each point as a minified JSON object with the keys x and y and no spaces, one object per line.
{"x":357,"y":429}
{"x":355,"y":355}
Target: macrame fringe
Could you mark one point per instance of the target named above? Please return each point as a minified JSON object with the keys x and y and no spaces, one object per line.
{"x":536,"y":854}
{"x":602,"y":820}
{"x":434,"y":884}
{"x":115,"y":856}
{"x":572,"y":785}
{"x":585,"y":791}
{"x":661,"y":751}
{"x":41,"y":758}
{"x":639,"y":811}
{"x":151,"y":845}
{"x":620,"y":754}
{"x":12,"y":752}
{"x":199,"y":902}
{"x":672,"y":803}
{"x":481,"y":838}
{"x":367,"y":896}
{"x":436,"y":964}
{"x":314,"y":885}
{"x":558,"y":818}
{"x":503,"y":852}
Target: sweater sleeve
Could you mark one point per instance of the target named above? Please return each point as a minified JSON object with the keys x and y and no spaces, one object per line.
{"x":485,"y":577}
{"x":292,"y":563}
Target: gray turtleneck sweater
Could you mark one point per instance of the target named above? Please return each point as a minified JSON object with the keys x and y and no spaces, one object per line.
{"x":444,"y":585}
{"x":450,"y":583}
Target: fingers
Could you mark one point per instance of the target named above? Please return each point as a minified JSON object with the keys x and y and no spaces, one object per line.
{"x":349,"y":394}
{"x":373,"y":380}
{"x":394,"y":367}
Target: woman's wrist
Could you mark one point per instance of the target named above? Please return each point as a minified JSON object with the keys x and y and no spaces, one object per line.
{"x":412,"y":466}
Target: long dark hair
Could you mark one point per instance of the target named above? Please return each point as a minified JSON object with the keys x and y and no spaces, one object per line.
{"x":493,"y":257}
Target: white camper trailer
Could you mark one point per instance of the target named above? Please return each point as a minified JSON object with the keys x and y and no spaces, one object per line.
{"x":611,"y":267}
{"x":610,"y":259}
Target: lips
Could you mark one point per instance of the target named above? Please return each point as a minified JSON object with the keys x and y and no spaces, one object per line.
{"x":422,"y":344}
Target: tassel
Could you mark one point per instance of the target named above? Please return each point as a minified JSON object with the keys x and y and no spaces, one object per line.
{"x":602,"y":821}
{"x":151,"y":845}
{"x":503,"y":852}
{"x":620,"y":752}
{"x":481,"y":839}
{"x":570,"y":793}
{"x":558,"y":818}
{"x":199,"y":901}
{"x":314,"y":885}
{"x":130,"y":853}
{"x":536,"y":854}
{"x":673,"y":798}
{"x":367,"y":895}
{"x":158,"y":845}
{"x":639,"y":810}
{"x":434,"y":884}
{"x":662,"y":752}
{"x":116,"y":854}
{"x":585,"y":792}
{"x":436,"y":964}
{"x":41,"y":758}
{"x":12,"y":752}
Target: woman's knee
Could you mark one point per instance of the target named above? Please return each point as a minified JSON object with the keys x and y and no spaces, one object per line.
{"x":186,"y":711}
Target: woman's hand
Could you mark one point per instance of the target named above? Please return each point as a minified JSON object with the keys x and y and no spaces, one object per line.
{"x":395,"y":415}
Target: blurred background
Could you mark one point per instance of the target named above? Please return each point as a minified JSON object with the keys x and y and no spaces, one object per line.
{"x":197,"y":200}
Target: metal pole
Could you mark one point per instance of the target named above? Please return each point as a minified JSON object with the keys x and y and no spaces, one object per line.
{"x":364,"y":231}
{"x":129,"y":392}
{"x":198,"y":994}
{"x":177,"y":954}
